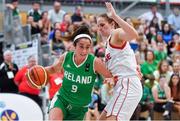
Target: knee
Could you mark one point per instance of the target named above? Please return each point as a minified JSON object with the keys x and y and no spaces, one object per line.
{"x":55,"y":114}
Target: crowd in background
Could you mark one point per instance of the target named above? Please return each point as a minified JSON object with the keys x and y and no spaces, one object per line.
{"x":157,"y":52}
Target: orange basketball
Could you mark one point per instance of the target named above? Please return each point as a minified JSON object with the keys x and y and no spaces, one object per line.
{"x":37,"y":77}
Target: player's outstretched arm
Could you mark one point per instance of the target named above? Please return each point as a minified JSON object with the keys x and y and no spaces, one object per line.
{"x":57,"y":66}
{"x":126,"y":31}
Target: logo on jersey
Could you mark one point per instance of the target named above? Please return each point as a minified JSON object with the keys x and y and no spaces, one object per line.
{"x":107,"y":57}
{"x":87,"y":67}
{"x":68,"y":66}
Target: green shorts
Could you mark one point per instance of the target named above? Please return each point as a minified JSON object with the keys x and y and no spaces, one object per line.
{"x":70,"y":112}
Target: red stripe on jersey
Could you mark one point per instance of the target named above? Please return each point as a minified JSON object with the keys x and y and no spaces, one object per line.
{"x":117,"y":47}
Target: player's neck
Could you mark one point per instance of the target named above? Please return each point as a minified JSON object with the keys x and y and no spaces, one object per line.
{"x":78,"y":59}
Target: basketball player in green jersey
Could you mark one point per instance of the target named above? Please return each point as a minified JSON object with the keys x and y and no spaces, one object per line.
{"x":80,"y":68}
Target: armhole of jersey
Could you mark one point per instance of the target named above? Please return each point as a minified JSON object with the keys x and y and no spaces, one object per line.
{"x":94,"y":65}
{"x":64,"y":59}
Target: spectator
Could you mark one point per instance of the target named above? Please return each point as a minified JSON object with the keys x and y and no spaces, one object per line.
{"x":64,"y":26}
{"x":174,"y":85}
{"x":174,"y":19}
{"x":77,"y":17}
{"x":14,"y":6}
{"x":161,"y":52}
{"x":161,"y":94}
{"x":35,"y":12}
{"x":56,"y":14}
{"x":51,"y":34}
{"x":8,"y":70}
{"x":167,"y":33}
{"x":55,"y":83}
{"x":176,"y":68}
{"x":1,"y":52}
{"x":148,"y":16}
{"x":151,"y":37}
{"x":150,"y":65}
{"x":44,"y":23}
{"x":142,"y":50}
{"x":154,"y":23}
{"x":34,"y":26}
{"x":57,"y":44}
{"x":23,"y":86}
{"x":145,"y":103}
{"x":162,"y":70}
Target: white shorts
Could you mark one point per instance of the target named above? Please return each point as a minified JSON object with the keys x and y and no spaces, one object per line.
{"x":127,"y":94}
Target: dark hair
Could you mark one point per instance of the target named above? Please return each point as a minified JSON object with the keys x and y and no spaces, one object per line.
{"x":36,"y":2}
{"x":43,"y":13}
{"x":83,"y":29}
{"x":171,"y":83}
{"x":54,"y":35}
{"x":151,"y":52}
{"x":109,"y":20}
{"x":12,"y":1}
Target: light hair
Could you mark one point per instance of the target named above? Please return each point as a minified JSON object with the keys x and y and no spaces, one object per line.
{"x":7,"y":52}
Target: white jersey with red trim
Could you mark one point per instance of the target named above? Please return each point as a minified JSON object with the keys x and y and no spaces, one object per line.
{"x":121,"y":61}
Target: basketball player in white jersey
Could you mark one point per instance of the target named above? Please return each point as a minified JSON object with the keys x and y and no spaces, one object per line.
{"x":121,"y":62}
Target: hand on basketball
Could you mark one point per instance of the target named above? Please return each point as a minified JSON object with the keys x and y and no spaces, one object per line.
{"x":111,"y":12}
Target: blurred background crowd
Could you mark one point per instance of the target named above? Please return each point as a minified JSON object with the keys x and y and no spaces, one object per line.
{"x":157,"y":52}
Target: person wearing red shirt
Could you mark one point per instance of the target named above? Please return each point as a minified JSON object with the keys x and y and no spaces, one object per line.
{"x":23,"y":86}
{"x":55,"y":82}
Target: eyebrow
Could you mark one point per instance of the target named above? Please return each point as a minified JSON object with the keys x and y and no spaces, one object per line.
{"x":84,"y":45}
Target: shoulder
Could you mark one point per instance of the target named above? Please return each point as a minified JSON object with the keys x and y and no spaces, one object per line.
{"x":154,"y":88}
{"x":62,"y":57}
{"x":62,"y":11}
{"x":2,"y":65}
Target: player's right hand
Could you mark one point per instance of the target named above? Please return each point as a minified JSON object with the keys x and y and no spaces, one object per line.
{"x":111,"y":11}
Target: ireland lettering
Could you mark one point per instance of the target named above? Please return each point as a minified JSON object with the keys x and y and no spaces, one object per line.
{"x":78,"y":78}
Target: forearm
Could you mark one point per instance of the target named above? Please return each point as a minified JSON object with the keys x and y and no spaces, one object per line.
{"x":177,"y":102}
{"x":161,"y":100}
{"x":125,"y":26}
{"x":51,"y":70}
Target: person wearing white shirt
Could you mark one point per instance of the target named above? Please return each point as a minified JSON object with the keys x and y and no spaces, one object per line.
{"x":174,"y":19}
{"x":148,"y":16}
{"x":56,"y":14}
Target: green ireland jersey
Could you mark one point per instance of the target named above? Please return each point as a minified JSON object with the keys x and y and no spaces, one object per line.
{"x":78,"y":80}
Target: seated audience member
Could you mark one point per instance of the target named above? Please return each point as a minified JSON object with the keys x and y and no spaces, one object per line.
{"x":161,"y":94}
{"x":55,"y":82}
{"x":21,"y":80}
{"x":174,"y":85}
{"x":146,"y":104}
{"x":8,"y":70}
{"x":57,"y":44}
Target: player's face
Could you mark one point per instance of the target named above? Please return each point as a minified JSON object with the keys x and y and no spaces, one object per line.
{"x":83,"y":47}
{"x":103,"y":27}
